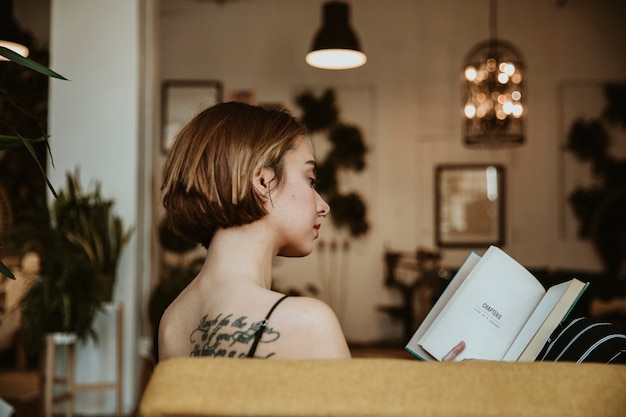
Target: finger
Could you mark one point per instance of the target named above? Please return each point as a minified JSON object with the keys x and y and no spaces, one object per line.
{"x":455,"y":351}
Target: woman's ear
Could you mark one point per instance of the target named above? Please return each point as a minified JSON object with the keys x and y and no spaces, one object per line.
{"x":263,"y":180}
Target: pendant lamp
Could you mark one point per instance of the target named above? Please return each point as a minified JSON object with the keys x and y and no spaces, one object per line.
{"x":11,"y":36}
{"x":494,"y":92}
{"x":335,"y":45}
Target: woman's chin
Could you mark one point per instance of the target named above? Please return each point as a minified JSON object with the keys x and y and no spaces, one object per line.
{"x":295,"y":252}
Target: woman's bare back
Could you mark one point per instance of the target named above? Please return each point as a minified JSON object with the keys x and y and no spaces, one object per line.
{"x":227,"y":325}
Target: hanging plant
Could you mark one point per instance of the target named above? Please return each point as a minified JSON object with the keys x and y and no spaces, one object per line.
{"x":347,"y":152}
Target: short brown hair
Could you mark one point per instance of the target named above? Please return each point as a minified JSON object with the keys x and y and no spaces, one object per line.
{"x":207,"y":178}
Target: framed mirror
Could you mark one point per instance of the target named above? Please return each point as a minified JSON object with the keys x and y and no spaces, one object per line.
{"x":469,"y":205}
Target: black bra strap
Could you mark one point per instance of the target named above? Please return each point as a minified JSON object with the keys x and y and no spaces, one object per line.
{"x":259,"y":332}
{"x":155,"y":338}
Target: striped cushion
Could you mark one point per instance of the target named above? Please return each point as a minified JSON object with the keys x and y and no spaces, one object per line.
{"x":585,"y":340}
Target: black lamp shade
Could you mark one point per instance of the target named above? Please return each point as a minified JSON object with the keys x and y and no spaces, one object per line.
{"x":335,"y":45}
{"x":335,"y":32}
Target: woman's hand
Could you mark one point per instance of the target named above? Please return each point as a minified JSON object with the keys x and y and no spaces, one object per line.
{"x":454,"y":352}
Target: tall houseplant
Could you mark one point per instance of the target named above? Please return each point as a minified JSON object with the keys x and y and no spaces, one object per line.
{"x":79,"y":254}
{"x":599,"y":206}
{"x":87,"y":220}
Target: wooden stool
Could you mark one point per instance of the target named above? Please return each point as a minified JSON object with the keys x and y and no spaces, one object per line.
{"x":69,"y":340}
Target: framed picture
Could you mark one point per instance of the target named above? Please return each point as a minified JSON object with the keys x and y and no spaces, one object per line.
{"x":469,"y":205}
{"x":181,"y":101}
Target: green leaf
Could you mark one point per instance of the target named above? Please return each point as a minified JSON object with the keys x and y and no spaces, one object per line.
{"x":31,"y":150}
{"x":29,"y":63}
{"x":5,"y":271}
{"x":8,"y":142}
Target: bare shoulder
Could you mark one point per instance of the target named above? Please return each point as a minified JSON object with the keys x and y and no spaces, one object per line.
{"x":313,"y":329}
{"x":175,"y":327}
{"x":313,"y":309}
{"x":169,"y":339}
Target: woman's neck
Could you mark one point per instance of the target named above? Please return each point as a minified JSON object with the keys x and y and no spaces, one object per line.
{"x":241,"y":253}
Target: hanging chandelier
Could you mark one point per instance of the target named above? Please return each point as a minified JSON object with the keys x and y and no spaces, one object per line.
{"x":494,"y":92}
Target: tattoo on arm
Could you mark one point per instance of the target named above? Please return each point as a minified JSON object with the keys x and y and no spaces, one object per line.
{"x":226,"y":336}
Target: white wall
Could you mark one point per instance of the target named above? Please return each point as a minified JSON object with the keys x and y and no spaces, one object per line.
{"x":411,"y":82}
{"x":96,"y":124}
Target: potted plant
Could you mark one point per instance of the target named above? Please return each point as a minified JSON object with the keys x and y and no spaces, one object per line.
{"x":87,"y":221}
{"x":79,"y":255}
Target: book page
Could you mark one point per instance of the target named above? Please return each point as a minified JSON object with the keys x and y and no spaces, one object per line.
{"x":413,"y":345}
{"x":561,"y":310}
{"x":487,"y":311}
{"x":547,"y":303}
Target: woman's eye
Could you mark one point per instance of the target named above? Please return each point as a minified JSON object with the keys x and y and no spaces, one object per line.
{"x":313,"y":182}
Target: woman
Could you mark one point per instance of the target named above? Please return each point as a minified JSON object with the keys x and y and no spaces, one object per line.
{"x":240,"y":180}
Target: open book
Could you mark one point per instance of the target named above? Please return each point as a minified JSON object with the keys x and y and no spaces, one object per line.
{"x":498,"y":308}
